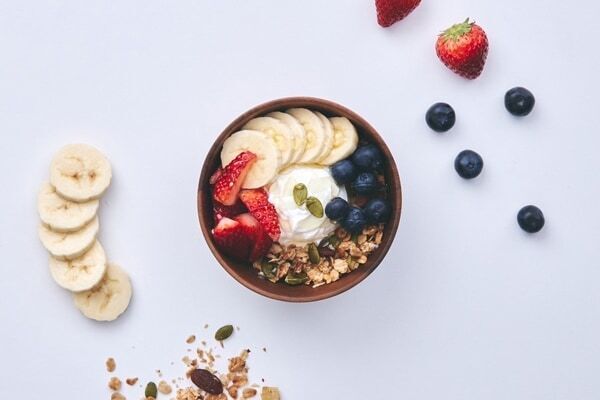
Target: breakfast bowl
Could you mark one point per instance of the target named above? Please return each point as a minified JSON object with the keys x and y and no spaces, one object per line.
{"x":308,"y":253}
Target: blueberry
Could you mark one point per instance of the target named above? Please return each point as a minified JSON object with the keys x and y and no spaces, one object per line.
{"x":468,"y":164}
{"x":337,"y":208}
{"x":519,"y":101}
{"x":355,"y":221}
{"x":364,"y":183}
{"x":344,"y":172}
{"x":531,"y":219}
{"x":377,"y":211}
{"x":440,"y":117}
{"x":368,"y":158}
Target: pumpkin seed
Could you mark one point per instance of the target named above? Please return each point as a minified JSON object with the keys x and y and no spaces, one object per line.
{"x":314,"y":206}
{"x":151,"y":390}
{"x":268,"y":269}
{"x":224,"y":332}
{"x":313,"y":253}
{"x":300,"y":193}
{"x":294,"y":279}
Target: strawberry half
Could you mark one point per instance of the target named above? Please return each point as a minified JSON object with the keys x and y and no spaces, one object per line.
{"x":268,"y":218}
{"x":260,"y":241}
{"x":221,"y":211}
{"x":257,"y":201}
{"x":229,"y":183}
{"x":392,"y":11}
{"x":233,"y":239}
{"x":254,"y":198}
{"x":463,"y":48}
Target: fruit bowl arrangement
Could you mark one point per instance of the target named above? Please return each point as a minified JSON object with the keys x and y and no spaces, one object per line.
{"x":299,"y":199}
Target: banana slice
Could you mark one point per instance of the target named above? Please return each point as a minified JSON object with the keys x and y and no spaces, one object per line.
{"x":297,"y":130}
{"x":63,"y":215}
{"x":315,"y":134}
{"x":328,"y":142}
{"x":279,"y":132}
{"x":82,"y":273}
{"x":80,"y":172}
{"x":69,"y":245}
{"x":345,"y":140}
{"x":269,"y":158}
{"x":109,"y":299}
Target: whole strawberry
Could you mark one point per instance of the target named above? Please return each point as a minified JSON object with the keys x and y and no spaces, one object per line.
{"x":463,"y":48}
{"x":391,"y":11}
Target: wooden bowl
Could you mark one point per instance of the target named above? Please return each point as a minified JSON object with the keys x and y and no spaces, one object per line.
{"x":243,"y":271}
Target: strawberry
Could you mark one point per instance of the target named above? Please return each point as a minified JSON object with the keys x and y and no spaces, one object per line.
{"x":229,"y":183}
{"x":221,"y":211}
{"x":268,"y":218}
{"x":463,"y":48}
{"x":215,"y":176}
{"x":260,"y":241}
{"x":254,"y":198}
{"x":257,"y":201}
{"x":392,"y":11}
{"x":233,"y":239}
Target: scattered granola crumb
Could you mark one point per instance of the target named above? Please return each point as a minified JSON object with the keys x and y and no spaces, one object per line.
{"x":117,"y":396}
{"x":270,"y":393}
{"x":248,"y":393}
{"x":191,"y":339}
{"x":205,"y":326}
{"x":265,"y":349}
{"x":114,"y":383}
{"x":131,"y":381}
{"x":111,"y":365}
{"x":188,"y":394}
{"x":164,"y":387}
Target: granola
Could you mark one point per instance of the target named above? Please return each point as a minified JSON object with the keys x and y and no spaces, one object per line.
{"x":339,"y":254}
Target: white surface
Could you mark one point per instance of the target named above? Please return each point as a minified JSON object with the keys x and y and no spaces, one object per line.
{"x":465,"y":307}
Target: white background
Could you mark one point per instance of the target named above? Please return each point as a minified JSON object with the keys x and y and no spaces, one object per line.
{"x":466,"y":305}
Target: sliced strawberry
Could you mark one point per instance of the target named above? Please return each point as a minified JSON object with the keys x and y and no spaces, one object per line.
{"x":254,"y":198}
{"x":215,"y":176}
{"x":268,"y":218}
{"x":232,"y":238}
{"x":261,"y":241}
{"x":392,"y":11}
{"x":221,"y":211}
{"x":228,"y":185}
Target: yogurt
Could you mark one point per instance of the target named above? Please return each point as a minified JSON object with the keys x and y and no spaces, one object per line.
{"x":298,"y":225}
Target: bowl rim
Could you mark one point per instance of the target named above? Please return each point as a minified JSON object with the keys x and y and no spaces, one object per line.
{"x":277,"y":104}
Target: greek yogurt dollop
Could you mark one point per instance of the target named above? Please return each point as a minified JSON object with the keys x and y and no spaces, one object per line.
{"x":298,"y":225}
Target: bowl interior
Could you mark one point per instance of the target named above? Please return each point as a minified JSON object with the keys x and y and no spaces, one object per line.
{"x":243,"y":272}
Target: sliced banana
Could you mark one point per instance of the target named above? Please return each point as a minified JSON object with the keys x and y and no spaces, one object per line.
{"x":82,"y":273}
{"x":69,"y":245}
{"x":80,"y":172}
{"x":63,"y":215}
{"x":269,"y":158}
{"x":315,"y":134}
{"x":345,"y":140}
{"x":297,"y":130}
{"x":328,"y":142}
{"x":109,"y":299}
{"x":279,"y":132}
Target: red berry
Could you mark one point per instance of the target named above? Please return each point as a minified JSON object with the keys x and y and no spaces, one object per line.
{"x":463,"y":48}
{"x":268,"y":218}
{"x":215,"y":176}
{"x":254,"y":198}
{"x":232,"y":238}
{"x":261,"y":241}
{"x":228,"y":185}
{"x":221,"y":211}
{"x":392,"y":11}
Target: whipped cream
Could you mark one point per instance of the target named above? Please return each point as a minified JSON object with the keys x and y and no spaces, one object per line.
{"x":298,"y":225}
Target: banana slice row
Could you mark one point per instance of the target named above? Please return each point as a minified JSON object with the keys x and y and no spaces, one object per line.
{"x":297,"y":136}
{"x":68,"y":207}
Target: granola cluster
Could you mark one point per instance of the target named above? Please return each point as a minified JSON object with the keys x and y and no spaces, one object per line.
{"x":235,"y":382}
{"x":317,"y":265}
